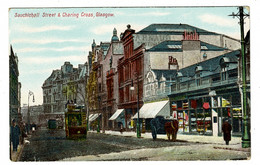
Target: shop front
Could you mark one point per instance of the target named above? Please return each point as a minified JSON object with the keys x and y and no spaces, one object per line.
{"x":94,"y":121}
{"x":205,"y":114}
{"x":149,"y":111}
{"x":119,"y":118}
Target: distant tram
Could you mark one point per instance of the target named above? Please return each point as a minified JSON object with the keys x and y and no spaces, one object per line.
{"x":75,"y":122}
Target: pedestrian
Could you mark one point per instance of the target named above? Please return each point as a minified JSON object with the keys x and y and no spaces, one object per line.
{"x":121,"y":128}
{"x":27,"y":128}
{"x":15,"y":133}
{"x":226,"y":129}
{"x":23,"y":132}
{"x":33,"y":127}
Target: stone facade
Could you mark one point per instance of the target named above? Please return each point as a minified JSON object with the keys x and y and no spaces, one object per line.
{"x":63,"y":85}
{"x":104,"y":98}
{"x":36,"y":115}
{"x":150,"y":59}
{"x":14,"y":88}
{"x":187,"y":46}
{"x":115,"y":52}
{"x":130,"y":75}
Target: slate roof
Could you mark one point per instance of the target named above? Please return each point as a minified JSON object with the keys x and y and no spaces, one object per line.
{"x":211,"y":66}
{"x":173,"y":29}
{"x":168,"y":74}
{"x":104,"y":45}
{"x":176,"y":46}
{"x":165,"y":47}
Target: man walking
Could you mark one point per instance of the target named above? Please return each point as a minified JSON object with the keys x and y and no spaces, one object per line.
{"x":15,"y":133}
{"x":226,"y":129}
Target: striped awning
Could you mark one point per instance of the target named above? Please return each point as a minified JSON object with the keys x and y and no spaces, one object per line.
{"x":151,"y":110}
{"x":93,"y":117}
{"x":116,"y":114}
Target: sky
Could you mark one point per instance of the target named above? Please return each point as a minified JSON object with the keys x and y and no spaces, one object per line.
{"x":44,"y":43}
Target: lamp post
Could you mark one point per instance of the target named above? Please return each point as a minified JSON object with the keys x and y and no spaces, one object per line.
{"x":138,"y":132}
{"x":245,"y":131}
{"x":28,"y":112}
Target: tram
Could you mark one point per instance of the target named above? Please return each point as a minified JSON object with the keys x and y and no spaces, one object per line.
{"x":75,"y":122}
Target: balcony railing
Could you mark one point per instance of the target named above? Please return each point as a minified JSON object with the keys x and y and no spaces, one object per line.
{"x":191,"y":85}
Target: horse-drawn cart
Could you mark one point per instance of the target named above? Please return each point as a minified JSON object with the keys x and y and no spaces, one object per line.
{"x":160,"y":125}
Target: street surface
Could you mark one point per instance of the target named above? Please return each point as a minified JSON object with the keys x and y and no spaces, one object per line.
{"x":52,"y":145}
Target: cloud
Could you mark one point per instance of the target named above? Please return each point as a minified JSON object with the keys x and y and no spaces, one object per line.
{"x":217,"y":20}
{"x":35,"y":49}
{"x":104,"y":29}
{"x":31,"y":29}
{"x":43,"y":40}
{"x":49,"y":60}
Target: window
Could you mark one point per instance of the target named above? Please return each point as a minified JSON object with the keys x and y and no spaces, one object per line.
{"x":174,"y":46}
{"x":224,"y":75}
{"x":197,"y":79}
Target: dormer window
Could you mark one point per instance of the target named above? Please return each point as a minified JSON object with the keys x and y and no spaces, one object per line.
{"x":198,"y":71}
{"x":204,"y":56}
{"x":224,"y":64}
{"x":224,"y":75}
{"x":179,"y":79}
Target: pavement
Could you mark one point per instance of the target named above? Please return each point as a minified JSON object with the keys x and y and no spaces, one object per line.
{"x":15,"y":155}
{"x":217,"y":141}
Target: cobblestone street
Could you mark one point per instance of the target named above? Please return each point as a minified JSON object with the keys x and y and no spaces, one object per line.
{"x":46,"y":145}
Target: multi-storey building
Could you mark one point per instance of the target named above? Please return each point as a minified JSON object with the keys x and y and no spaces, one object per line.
{"x":64,"y":85}
{"x":153,"y":55}
{"x":110,"y":76}
{"x":36,"y":115}
{"x":14,"y":87}
{"x":96,"y":84}
{"x":103,"y":80}
{"x":130,"y":74}
{"x":205,"y":94}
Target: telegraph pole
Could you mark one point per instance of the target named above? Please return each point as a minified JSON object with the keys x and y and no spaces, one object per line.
{"x":246,"y":142}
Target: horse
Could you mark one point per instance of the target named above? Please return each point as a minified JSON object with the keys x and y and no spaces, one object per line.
{"x":171,"y":128}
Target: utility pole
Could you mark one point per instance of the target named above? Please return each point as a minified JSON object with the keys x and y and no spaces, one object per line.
{"x":246,"y":142}
{"x":28,"y":112}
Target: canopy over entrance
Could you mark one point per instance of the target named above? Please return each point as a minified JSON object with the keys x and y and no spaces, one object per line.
{"x":151,"y":110}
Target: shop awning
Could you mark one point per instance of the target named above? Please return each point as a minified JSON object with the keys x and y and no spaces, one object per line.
{"x":93,"y":117}
{"x":116,"y":114}
{"x":151,"y":110}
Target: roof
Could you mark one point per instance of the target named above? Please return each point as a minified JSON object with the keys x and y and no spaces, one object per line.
{"x":168,"y":74}
{"x":176,"y":46}
{"x":168,"y":46}
{"x":172,"y":29}
{"x":104,"y":45}
{"x":127,"y":31}
{"x":211,"y":65}
{"x":114,"y":37}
